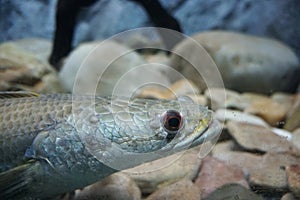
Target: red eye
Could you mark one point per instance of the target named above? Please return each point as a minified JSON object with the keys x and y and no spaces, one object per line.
{"x":172,"y":122}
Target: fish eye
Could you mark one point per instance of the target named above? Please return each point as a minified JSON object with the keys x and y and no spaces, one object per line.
{"x":172,"y":122}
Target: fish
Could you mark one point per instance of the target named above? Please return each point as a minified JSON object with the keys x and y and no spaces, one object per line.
{"x":51,"y":144}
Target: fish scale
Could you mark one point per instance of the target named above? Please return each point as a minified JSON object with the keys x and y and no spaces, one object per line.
{"x":51,"y":144}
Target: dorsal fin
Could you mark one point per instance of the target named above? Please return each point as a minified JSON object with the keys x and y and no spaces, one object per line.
{"x":17,"y":94}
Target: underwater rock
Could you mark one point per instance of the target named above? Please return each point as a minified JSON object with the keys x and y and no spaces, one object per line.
{"x":288,"y":196}
{"x":258,"y":138}
{"x":293,"y":175}
{"x":246,"y":161}
{"x":233,"y":191}
{"x":115,"y":187}
{"x":270,"y":174}
{"x":246,"y":63}
{"x":156,"y":174}
{"x":214,"y":173}
{"x":107,"y":68}
{"x":25,"y":70}
{"x":183,"y":189}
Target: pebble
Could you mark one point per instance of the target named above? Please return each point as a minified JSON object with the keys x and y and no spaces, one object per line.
{"x":214,"y":173}
{"x":293,"y":118}
{"x":238,"y":116}
{"x":156,"y":174}
{"x":24,"y":70}
{"x":269,"y":110}
{"x":183,"y":189}
{"x":180,"y":88}
{"x":115,"y":187}
{"x":293,"y":177}
{"x":258,"y":138}
{"x":224,"y":98}
{"x":284,"y":99}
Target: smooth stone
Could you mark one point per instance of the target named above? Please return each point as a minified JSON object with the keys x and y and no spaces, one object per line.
{"x":284,"y":99}
{"x":161,"y":58}
{"x":23,"y":70}
{"x":233,"y":191}
{"x":183,"y":87}
{"x":269,"y":110}
{"x":138,"y":40}
{"x":293,"y":118}
{"x":37,"y":46}
{"x":217,"y":95}
{"x":115,"y":187}
{"x":215,"y":173}
{"x":293,"y":177}
{"x":283,"y":133}
{"x":258,"y":138}
{"x":49,"y":84}
{"x":238,"y":116}
{"x":156,"y":174}
{"x":183,"y":189}
{"x":223,"y":147}
{"x":246,"y":63}
{"x":296,"y":139}
{"x":109,"y":68}
{"x":270,"y":174}
{"x":199,"y":99}
{"x":248,"y":98}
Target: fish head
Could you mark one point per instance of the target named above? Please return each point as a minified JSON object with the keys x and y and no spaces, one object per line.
{"x":143,"y":130}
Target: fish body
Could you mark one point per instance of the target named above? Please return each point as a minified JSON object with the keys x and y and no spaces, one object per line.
{"x":52,"y":144}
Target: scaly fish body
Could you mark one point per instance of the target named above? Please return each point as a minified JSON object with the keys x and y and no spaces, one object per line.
{"x":56,"y":143}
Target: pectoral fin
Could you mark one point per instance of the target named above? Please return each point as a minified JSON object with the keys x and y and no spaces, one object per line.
{"x":17,"y":182}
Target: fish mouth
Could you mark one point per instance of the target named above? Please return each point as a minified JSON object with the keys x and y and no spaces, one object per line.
{"x":212,"y":131}
{"x":206,"y":130}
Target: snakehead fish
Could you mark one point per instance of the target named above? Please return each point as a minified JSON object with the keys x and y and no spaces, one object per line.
{"x":56,"y":143}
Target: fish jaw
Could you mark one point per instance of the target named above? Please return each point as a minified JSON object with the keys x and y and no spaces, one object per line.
{"x":212,"y":132}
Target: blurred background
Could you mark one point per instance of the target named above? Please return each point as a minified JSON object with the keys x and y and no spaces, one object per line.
{"x":279,"y":19}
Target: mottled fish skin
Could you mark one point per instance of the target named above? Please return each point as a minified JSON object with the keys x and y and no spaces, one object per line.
{"x":67,"y":142}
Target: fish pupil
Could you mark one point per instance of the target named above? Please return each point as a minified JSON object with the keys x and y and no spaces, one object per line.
{"x":172,"y":122}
